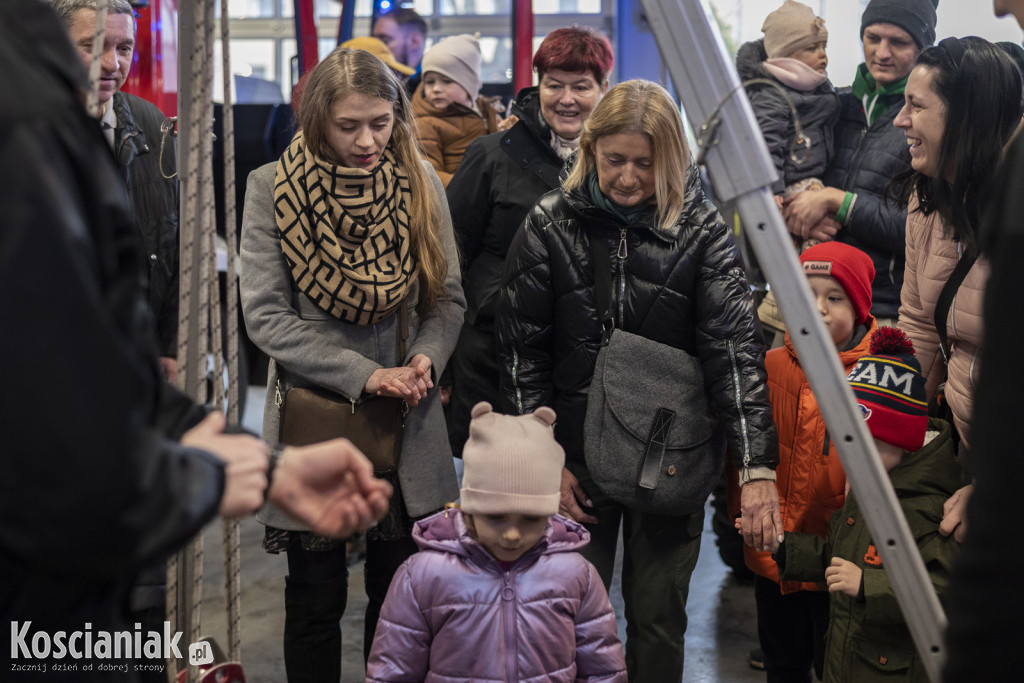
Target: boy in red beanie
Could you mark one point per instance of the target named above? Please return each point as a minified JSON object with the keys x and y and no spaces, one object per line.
{"x":792,"y":616}
{"x":867,"y":636}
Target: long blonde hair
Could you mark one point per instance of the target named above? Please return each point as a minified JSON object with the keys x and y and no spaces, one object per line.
{"x":640,"y":106}
{"x":346,"y":72}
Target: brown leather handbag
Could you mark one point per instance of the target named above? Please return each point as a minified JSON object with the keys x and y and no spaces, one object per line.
{"x":373,"y":424}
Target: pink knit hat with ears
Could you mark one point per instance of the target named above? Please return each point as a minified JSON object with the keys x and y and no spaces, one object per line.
{"x":513,"y":465}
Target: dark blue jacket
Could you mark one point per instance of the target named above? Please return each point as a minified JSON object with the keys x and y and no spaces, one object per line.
{"x":867,"y":159}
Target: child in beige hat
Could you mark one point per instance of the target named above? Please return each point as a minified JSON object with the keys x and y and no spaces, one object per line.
{"x":500,"y":576}
{"x":450,"y":112}
{"x":792,"y":57}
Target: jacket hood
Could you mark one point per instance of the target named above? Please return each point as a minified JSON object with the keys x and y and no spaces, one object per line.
{"x":580,"y":200}
{"x":446,"y":532}
{"x":750,"y":60}
{"x":933,"y":468}
{"x":422,"y":107}
{"x":527,"y":107}
{"x":862,"y":334}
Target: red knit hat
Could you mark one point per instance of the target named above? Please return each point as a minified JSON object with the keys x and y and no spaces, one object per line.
{"x":850,"y":266}
{"x":890,"y":390}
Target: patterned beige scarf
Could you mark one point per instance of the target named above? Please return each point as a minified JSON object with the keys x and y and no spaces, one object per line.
{"x":345,"y":233}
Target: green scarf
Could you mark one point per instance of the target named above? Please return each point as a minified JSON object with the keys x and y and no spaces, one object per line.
{"x":626,"y":214}
{"x":872,"y":95}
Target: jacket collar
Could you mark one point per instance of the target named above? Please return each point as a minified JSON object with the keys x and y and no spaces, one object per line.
{"x":422,"y":107}
{"x":527,"y":107}
{"x":875,"y":99}
{"x":446,"y":532}
{"x":859,"y":346}
{"x":933,"y":468}
{"x":581,"y":202}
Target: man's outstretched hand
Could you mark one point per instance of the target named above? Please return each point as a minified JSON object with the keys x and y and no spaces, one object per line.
{"x":329,"y":487}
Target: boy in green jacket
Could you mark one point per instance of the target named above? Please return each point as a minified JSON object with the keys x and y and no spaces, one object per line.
{"x":867,"y":637}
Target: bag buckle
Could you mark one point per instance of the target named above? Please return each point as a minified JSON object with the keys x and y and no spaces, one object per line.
{"x":607,"y":327}
{"x":656,"y":443}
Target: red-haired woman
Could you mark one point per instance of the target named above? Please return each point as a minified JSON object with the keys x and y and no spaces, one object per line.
{"x":499,"y":180}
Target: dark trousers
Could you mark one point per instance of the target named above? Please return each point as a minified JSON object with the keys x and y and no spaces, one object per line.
{"x":316,"y":591}
{"x":474,"y":365}
{"x":791,"y":629}
{"x":659,"y":555}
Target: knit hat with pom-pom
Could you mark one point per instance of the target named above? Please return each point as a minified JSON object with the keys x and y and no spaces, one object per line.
{"x":513,"y":465}
{"x":890,"y":390}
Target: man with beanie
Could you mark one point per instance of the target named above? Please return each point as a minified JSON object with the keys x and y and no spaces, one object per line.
{"x":870,"y":152}
{"x":500,"y":575}
{"x":450,"y":112}
{"x":792,"y":616}
{"x":868,"y":639}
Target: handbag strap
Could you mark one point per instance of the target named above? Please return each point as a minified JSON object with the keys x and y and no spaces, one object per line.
{"x":602,"y":260}
{"x":956,"y":278}
{"x":657,"y":439}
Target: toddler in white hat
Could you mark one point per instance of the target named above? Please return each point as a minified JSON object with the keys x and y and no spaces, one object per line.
{"x":450,"y":112}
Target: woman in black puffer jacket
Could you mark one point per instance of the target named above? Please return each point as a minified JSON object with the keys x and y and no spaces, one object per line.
{"x":676,"y":279}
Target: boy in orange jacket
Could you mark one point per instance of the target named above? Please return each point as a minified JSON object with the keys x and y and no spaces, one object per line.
{"x":792,"y":617}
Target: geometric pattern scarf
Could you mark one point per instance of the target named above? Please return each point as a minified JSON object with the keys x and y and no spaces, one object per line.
{"x":345,"y":233}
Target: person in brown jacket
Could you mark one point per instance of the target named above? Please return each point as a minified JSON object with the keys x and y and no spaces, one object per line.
{"x":450,"y":112}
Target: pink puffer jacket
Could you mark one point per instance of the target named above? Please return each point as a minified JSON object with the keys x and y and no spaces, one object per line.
{"x":452,"y":613}
{"x":931,"y":259}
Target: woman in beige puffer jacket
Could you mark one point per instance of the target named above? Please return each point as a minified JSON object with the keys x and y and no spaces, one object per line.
{"x":963,"y":103}
{"x":931,"y":258}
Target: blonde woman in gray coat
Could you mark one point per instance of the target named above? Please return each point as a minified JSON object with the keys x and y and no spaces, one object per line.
{"x":335,"y":235}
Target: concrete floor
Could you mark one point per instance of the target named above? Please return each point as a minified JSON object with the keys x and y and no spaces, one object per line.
{"x":722,"y":622}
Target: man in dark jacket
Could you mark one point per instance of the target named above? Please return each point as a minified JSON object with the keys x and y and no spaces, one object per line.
{"x":870,"y":151}
{"x":148,"y":169}
{"x":92,"y":488}
{"x":147,"y":163}
{"x":985,"y":600}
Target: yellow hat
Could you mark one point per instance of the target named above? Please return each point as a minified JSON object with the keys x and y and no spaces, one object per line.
{"x":377,"y":48}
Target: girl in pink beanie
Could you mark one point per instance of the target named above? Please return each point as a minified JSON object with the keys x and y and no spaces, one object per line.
{"x":498,"y":591}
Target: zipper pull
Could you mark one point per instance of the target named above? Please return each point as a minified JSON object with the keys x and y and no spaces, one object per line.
{"x":278,"y":399}
{"x":622,"y":244}
{"x":353,"y":405}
